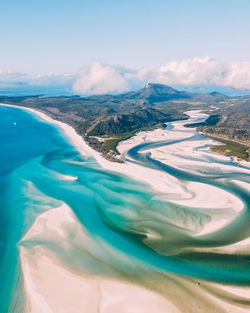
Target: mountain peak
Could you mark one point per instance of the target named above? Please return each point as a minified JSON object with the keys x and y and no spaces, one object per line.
{"x":160,"y":86}
{"x":153,"y":92}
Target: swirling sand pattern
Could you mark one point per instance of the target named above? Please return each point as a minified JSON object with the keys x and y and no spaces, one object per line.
{"x":82,"y":238}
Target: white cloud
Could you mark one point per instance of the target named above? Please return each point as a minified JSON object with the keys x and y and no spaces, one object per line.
{"x":51,"y":79}
{"x":199,"y":71}
{"x":100,"y":79}
{"x":237,"y":76}
{"x":12,"y":77}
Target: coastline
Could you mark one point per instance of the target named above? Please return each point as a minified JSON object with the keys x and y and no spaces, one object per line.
{"x":136,"y":172}
{"x":68,"y":130}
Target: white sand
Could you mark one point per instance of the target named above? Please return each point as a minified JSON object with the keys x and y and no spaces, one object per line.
{"x":52,"y":288}
{"x":67,"y":177}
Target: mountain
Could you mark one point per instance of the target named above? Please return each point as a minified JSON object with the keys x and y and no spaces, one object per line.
{"x":156,"y":93}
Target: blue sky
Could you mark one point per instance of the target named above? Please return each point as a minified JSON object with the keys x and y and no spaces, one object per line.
{"x":44,"y":36}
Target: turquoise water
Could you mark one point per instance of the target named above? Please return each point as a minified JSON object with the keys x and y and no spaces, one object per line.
{"x":21,"y":144}
{"x":117,"y":213}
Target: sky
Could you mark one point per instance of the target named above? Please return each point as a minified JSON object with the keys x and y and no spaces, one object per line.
{"x":52,"y":37}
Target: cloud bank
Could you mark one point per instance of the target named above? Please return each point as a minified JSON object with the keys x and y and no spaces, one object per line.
{"x":199,"y":71}
{"x":36,"y":80}
{"x":101,"y":78}
{"x":14,"y":84}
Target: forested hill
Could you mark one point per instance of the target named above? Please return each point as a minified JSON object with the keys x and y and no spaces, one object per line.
{"x":233,"y":121}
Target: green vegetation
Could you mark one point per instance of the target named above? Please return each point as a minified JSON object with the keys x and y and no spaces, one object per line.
{"x":231,"y":148}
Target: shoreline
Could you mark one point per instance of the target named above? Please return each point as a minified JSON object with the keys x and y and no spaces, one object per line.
{"x":68,"y":130}
{"x":133,"y":171}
